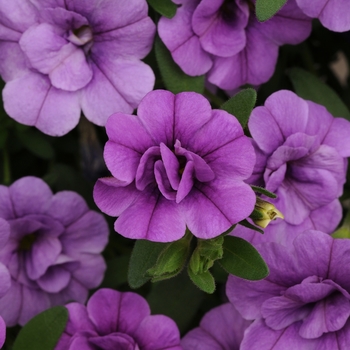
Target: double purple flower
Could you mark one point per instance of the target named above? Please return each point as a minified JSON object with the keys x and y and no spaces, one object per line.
{"x":63,"y":57}
{"x":301,"y":156}
{"x":223,"y":39}
{"x":177,"y":163}
{"x":54,"y":248}
{"x":304,"y":303}
{"x":120,"y":321}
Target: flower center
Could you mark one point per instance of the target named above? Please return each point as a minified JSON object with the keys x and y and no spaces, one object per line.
{"x":27,"y":242}
{"x":82,"y":36}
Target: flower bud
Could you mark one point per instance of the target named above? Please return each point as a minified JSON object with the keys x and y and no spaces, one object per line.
{"x":264,"y":212}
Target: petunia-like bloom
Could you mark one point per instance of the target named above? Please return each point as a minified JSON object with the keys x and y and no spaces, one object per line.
{"x":5,"y":279}
{"x":221,"y":328}
{"x":177,"y":163}
{"x":223,"y":39}
{"x":114,"y":320}
{"x":304,"y":303}
{"x":63,"y":57}
{"x":301,"y":156}
{"x":333,"y":14}
{"x":53,"y":250}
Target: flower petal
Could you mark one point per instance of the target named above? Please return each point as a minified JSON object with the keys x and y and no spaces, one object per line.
{"x":112,"y":311}
{"x":31,"y":100}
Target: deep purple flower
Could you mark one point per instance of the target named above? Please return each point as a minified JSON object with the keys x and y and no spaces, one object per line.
{"x":304,"y":303}
{"x":114,"y":320}
{"x":61,"y":57}
{"x":333,"y":14}
{"x":223,"y":39}
{"x":301,"y":156}
{"x":177,"y":163}
{"x":53,"y":252}
{"x":221,"y":328}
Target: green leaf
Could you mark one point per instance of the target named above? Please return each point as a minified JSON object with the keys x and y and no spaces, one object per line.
{"x":3,"y":137}
{"x":243,"y":260}
{"x":171,"y":260}
{"x":43,"y":331}
{"x":263,"y":191}
{"x":265,"y":9}
{"x":241,"y":105}
{"x":204,"y":281}
{"x":36,"y":143}
{"x":311,"y":88}
{"x":165,"y":7}
{"x":175,"y":80}
{"x":247,"y":224}
{"x":143,"y":257}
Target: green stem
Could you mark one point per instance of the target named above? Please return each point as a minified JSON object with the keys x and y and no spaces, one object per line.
{"x":213,"y":98}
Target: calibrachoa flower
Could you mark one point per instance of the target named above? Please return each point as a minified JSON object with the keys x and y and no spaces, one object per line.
{"x":61,"y":57}
{"x":333,"y":14}
{"x":223,"y":39}
{"x":177,"y":163}
{"x":221,"y":328}
{"x":53,"y":252}
{"x":5,"y":279}
{"x":301,"y":156}
{"x":114,"y":320}
{"x":304,"y":303}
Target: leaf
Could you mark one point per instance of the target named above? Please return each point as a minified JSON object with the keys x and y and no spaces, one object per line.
{"x":241,"y":105}
{"x":265,"y":9}
{"x":263,"y":191}
{"x":243,"y":260}
{"x":143,"y":257}
{"x":175,"y":80}
{"x":36,"y":143}
{"x":165,"y":7}
{"x":43,"y":331}
{"x":311,"y":88}
{"x":204,"y":281}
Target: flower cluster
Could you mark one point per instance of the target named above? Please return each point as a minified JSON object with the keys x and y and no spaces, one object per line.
{"x":223,"y":39}
{"x":63,"y":57}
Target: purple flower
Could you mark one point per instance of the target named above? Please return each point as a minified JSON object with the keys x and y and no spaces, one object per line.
{"x":115,"y":320}
{"x":177,"y":163}
{"x":221,"y":328}
{"x":5,"y":279}
{"x":224,"y":40}
{"x":53,"y":252}
{"x":304,"y":303}
{"x":333,"y":14}
{"x":301,"y":156}
{"x":61,"y":57}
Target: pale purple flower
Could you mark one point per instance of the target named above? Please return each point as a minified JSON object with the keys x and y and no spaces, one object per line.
{"x":177,"y":163}
{"x":53,"y":251}
{"x":63,"y":57}
{"x":304,"y":303}
{"x":221,"y":328}
{"x":224,"y":40}
{"x":5,"y":279}
{"x":333,"y":14}
{"x":301,"y":156}
{"x":113,"y":320}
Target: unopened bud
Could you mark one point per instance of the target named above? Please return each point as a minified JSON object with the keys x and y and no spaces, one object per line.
{"x":264,"y":212}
